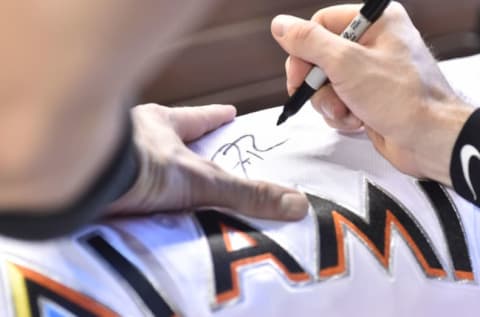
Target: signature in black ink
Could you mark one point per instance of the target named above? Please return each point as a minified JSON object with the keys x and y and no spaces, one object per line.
{"x":242,"y":151}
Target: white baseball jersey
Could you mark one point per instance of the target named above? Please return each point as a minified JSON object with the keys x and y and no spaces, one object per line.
{"x":375,"y":242}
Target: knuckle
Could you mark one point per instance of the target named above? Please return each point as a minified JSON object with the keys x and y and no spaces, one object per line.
{"x":346,"y":56}
{"x":262,"y":194}
{"x":304,"y":31}
{"x":341,"y":54}
{"x":349,"y":50}
{"x":396,"y":11}
{"x":151,"y":110}
{"x":316,"y":17}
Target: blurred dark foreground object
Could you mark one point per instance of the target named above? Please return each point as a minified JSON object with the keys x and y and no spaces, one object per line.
{"x":232,"y":58}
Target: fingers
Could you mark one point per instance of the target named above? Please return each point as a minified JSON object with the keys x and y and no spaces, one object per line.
{"x":329,"y":104}
{"x":325,"y":101}
{"x":312,"y":42}
{"x":296,"y":70}
{"x":186,"y":182}
{"x":190,"y":123}
{"x":334,"y":111}
{"x":336,"y":18}
{"x":251,"y":198}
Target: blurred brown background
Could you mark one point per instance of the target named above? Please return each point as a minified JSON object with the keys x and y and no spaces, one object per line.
{"x":233,"y":59}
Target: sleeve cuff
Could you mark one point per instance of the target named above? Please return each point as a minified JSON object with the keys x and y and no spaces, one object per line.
{"x":116,"y":179}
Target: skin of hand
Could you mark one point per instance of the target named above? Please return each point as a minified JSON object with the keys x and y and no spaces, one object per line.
{"x":389,"y":83}
{"x":173,"y":178}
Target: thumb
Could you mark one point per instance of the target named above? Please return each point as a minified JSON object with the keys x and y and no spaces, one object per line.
{"x":310,"y":41}
{"x":256,"y":199}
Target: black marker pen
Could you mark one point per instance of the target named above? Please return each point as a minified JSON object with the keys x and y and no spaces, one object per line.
{"x":370,"y":12}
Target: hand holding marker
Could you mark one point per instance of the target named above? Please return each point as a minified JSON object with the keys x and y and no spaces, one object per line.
{"x":371,"y":11}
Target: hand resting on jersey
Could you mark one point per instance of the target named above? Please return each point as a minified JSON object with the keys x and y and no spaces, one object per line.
{"x":173,"y":178}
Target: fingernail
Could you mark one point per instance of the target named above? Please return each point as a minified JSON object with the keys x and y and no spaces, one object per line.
{"x":281,"y":23}
{"x":328,"y":111}
{"x":294,"y":206}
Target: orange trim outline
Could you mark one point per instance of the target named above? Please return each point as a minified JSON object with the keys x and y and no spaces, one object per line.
{"x":339,"y":220}
{"x":464,"y":275}
{"x":81,"y":300}
{"x":236,"y":265}
{"x":228,"y":242}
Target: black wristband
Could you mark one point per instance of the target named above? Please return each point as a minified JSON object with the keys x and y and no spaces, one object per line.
{"x":117,"y":178}
{"x":465,"y":163}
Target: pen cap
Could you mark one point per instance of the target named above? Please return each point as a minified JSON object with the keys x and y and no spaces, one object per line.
{"x":373,"y":9}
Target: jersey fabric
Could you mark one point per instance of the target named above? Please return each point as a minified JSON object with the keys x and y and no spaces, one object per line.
{"x":375,"y":242}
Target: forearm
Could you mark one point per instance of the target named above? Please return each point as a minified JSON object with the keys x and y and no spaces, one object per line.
{"x":436,"y":134}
